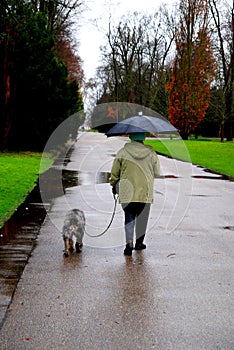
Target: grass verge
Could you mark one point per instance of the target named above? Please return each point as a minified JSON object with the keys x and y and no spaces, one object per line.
{"x":18,"y":176}
{"x":214,"y":155}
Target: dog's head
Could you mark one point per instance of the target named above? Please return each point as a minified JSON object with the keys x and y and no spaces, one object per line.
{"x":77,"y":211}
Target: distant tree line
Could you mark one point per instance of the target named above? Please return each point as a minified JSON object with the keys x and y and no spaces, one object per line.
{"x":179,"y":63}
{"x":40,"y":71}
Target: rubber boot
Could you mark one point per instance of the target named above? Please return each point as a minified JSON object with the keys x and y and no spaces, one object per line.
{"x":139,"y":243}
{"x":128,"y":250}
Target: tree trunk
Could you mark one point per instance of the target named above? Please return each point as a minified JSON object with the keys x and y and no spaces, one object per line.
{"x":229,"y":112}
{"x":184,"y":135}
{"x":8,"y":92}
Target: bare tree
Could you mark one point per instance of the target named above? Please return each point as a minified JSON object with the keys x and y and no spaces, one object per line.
{"x":134,"y":59}
{"x":59,"y":12}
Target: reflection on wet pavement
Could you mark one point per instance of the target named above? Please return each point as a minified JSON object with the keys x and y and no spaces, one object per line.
{"x":75,"y":178}
{"x":17,"y":239}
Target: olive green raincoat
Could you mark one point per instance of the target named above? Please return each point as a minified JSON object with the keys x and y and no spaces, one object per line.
{"x":133,"y":172}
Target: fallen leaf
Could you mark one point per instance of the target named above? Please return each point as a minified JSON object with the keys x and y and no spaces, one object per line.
{"x":27,"y":339}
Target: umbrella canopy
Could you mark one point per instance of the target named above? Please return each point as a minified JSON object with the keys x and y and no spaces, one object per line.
{"x":142,"y":124}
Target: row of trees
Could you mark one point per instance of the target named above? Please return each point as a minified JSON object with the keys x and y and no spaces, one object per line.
{"x":179,"y":63}
{"x":40,"y":71}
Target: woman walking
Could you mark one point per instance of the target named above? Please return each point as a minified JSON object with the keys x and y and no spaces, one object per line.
{"x":132,"y":176}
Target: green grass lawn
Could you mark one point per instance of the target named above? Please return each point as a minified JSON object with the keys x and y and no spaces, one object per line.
{"x":214,"y":155}
{"x":18,"y":175}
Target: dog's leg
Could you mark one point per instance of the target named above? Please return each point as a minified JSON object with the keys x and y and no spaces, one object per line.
{"x":71,"y":245}
{"x":66,"y":246}
{"x":79,"y":247}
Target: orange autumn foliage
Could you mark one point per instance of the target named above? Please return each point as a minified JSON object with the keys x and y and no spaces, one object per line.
{"x":189,"y":88}
{"x":66,"y":52}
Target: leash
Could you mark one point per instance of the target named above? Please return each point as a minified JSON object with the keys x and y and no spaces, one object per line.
{"x":109,"y":225}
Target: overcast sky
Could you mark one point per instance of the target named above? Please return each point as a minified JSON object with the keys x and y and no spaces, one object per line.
{"x":91,"y":35}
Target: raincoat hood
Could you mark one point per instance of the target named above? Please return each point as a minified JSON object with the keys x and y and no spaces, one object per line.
{"x":137,"y":149}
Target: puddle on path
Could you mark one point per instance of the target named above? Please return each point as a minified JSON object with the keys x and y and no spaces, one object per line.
{"x":75,"y":178}
{"x":210,"y":177}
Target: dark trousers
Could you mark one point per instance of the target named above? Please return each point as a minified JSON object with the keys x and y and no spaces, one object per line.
{"x":136,"y":218}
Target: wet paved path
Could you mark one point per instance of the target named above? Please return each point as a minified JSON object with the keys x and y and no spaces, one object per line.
{"x":177,"y":294}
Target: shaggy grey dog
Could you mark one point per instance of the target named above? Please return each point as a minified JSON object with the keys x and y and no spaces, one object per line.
{"x":74,"y":225}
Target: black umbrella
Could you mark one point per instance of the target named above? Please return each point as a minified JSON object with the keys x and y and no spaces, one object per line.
{"x":142,"y":124}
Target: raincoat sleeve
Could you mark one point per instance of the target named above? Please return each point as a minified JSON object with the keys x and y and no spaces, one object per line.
{"x":156,"y":165}
{"x":115,"y":172}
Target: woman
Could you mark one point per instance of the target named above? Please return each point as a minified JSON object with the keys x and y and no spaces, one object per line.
{"x":132,"y":176}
